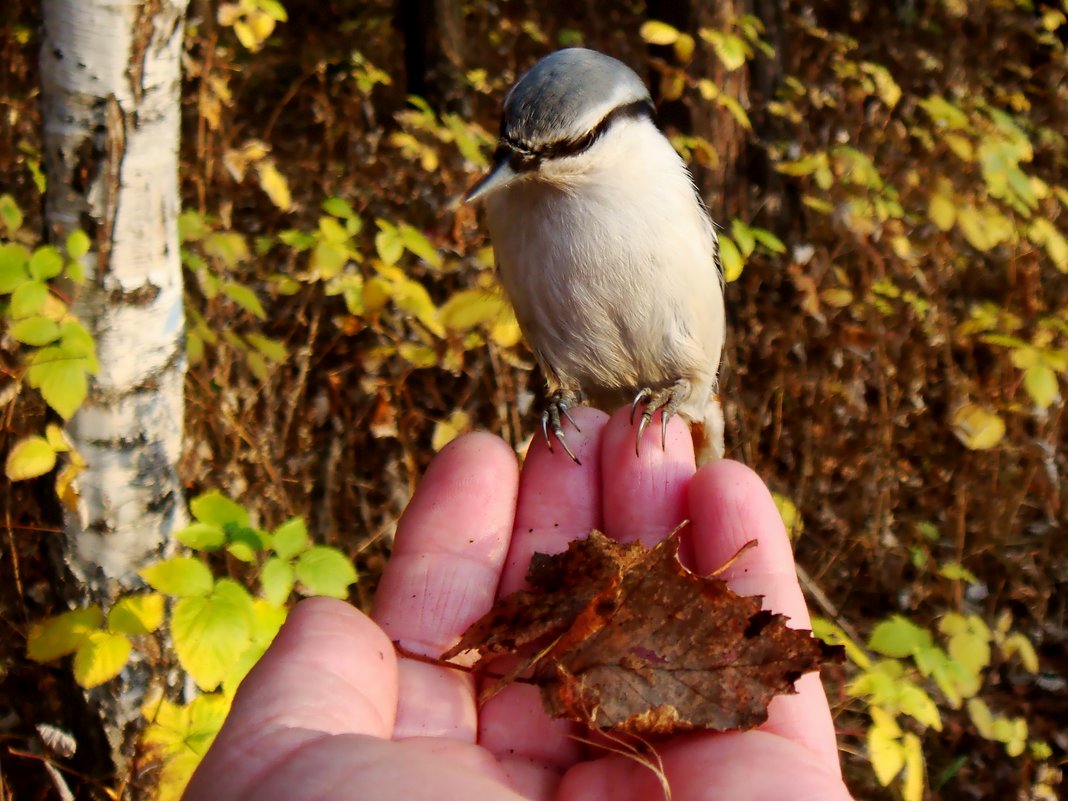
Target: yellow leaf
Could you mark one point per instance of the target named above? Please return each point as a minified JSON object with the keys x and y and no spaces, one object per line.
{"x":275,"y":185}
{"x":445,"y":431}
{"x":505,"y":330}
{"x":65,"y":490}
{"x":977,"y":428}
{"x":137,"y":614}
{"x":884,"y":750}
{"x":960,"y":145}
{"x":100,"y":658}
{"x":981,"y":717}
{"x":1041,"y":384}
{"x":837,"y":297}
{"x":61,"y":635}
{"x":658,"y":33}
{"x":942,"y":211}
{"x":731,"y":259}
{"x":914,"y":768}
{"x":469,"y":308}
{"x":30,"y":457}
{"x":791,"y":516}
{"x":1018,"y":644}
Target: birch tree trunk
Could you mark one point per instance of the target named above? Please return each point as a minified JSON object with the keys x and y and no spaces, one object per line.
{"x":110,"y":73}
{"x":110,"y":92}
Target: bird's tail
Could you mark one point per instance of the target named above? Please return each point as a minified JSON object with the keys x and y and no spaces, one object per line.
{"x":708,"y":432}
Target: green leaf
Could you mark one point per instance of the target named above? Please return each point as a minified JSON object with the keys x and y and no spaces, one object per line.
{"x":332,"y":231}
{"x":77,"y":341}
{"x":201,"y":536}
{"x":60,"y":378}
{"x":339,"y":208}
{"x":214,"y":507}
{"x":37,"y":331}
{"x":10,"y":214}
{"x":412,"y":297}
{"x":416,"y":242}
{"x":271,"y":348}
{"x":954,"y":571}
{"x":13,"y":261}
{"x":1040,"y":382}
{"x":137,"y":614}
{"x":325,"y":571}
{"x":211,"y":631}
{"x":192,"y":227}
{"x":730,"y":258}
{"x":276,"y":580}
{"x":100,"y":658}
{"x":898,"y":637}
{"x":77,"y":244}
{"x":388,"y":242}
{"x":743,"y":237}
{"x":768,"y":240}
{"x":179,"y":576}
{"x":328,"y":258}
{"x":246,"y":542}
{"x":28,"y":299}
{"x":245,"y":298}
{"x":61,"y":635}
{"x":29,"y":458}
{"x":46,"y":262}
{"x":181,"y":736}
{"x":290,"y":538}
{"x":228,"y":247}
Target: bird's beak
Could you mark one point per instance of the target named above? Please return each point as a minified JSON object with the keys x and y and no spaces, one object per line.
{"x":499,"y":177}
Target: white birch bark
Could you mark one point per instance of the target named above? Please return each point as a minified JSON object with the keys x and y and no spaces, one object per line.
{"x":111,"y":80}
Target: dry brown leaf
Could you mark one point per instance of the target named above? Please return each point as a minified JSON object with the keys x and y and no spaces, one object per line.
{"x":624,"y":638}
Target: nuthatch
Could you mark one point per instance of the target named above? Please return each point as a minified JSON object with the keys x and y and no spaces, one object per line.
{"x":605,"y":249}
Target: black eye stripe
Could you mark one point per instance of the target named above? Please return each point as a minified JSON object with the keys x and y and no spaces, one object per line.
{"x":525,"y":157}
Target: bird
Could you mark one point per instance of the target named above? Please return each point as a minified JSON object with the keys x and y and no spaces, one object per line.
{"x":605,"y":249}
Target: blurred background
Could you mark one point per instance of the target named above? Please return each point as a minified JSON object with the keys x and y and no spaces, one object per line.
{"x":890,"y":181}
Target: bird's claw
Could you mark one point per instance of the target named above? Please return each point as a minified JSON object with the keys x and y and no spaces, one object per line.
{"x":667,"y":400}
{"x":559,"y":404}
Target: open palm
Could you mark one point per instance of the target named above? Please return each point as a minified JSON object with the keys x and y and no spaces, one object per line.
{"x":330,"y":712}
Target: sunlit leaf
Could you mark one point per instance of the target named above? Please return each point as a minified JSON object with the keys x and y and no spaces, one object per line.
{"x":228,"y":247}
{"x":137,"y":614}
{"x":276,"y":580}
{"x":976,"y":427}
{"x":179,"y":576}
{"x":275,"y":185}
{"x":658,"y":33}
{"x":61,"y":378}
{"x":884,"y":746}
{"x":61,"y":635}
{"x":1041,"y":384}
{"x":730,"y":258}
{"x":1018,"y":645}
{"x":46,"y":262}
{"x":77,"y":244}
{"x":291,"y":537}
{"x":898,"y":637}
{"x":469,"y":308}
{"x":211,"y":631}
{"x":10,"y":214}
{"x":13,"y":260}
{"x":37,"y":331}
{"x":915,"y":771}
{"x":389,"y":243}
{"x":445,"y":431}
{"x":28,"y":299}
{"x":416,"y":242}
{"x":201,"y":536}
{"x":245,"y":298}
{"x":100,"y":658}
{"x":325,"y":571}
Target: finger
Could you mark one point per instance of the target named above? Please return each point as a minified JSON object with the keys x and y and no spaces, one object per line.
{"x":443,"y":576}
{"x":743,"y":766}
{"x":645,"y":492}
{"x":559,"y":501}
{"x":330,"y":670}
{"x":730,"y":506}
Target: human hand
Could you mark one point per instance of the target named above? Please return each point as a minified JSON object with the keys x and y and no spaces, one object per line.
{"x":330,"y":711}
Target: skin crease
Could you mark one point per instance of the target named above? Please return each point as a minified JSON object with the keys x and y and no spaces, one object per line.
{"x":330,"y":712}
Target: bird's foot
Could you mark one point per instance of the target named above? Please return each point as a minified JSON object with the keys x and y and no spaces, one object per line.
{"x":666,"y":399}
{"x":560,"y":402}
